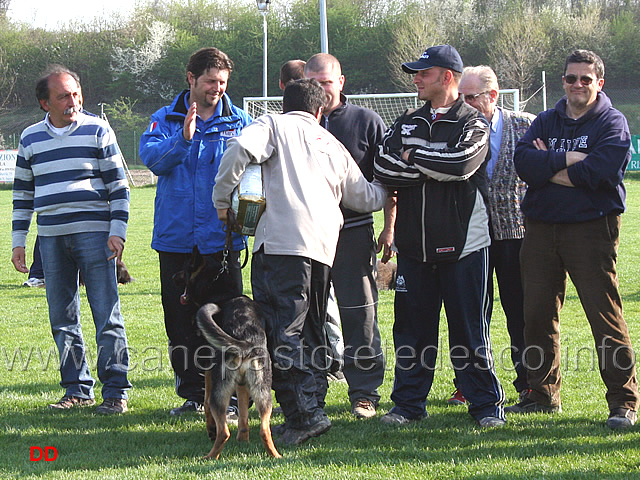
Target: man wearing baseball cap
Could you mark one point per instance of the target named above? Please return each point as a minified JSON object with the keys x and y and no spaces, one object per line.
{"x":434,"y":158}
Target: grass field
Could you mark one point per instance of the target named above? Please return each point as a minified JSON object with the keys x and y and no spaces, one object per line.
{"x":148,"y":444}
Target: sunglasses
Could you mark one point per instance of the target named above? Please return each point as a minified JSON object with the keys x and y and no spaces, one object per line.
{"x":584,"y":80}
{"x":472,"y":97}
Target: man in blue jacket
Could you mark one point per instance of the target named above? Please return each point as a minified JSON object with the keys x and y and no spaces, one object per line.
{"x":183,"y":146}
{"x":573,"y":158}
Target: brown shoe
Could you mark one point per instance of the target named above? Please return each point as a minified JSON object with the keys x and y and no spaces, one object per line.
{"x":112,"y":405}
{"x":363,"y":408}
{"x":69,"y":401}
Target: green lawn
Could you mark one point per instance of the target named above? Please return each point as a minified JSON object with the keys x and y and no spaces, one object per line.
{"x":148,"y":444}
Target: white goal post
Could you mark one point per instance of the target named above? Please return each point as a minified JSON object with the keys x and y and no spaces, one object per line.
{"x":388,"y":105}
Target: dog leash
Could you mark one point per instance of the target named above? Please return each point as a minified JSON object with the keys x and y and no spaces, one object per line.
{"x":228,"y":243}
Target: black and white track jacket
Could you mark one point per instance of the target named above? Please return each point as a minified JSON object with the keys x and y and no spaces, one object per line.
{"x":442,"y":188}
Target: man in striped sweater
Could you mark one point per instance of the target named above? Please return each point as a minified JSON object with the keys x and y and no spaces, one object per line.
{"x":70,"y":172}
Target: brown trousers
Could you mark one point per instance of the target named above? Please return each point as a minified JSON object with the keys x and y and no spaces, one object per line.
{"x":587,"y":251}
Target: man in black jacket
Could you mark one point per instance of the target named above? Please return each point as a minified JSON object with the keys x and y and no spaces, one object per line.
{"x":434,"y":157}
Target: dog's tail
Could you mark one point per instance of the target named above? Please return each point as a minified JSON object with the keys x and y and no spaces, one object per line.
{"x":217,"y":337}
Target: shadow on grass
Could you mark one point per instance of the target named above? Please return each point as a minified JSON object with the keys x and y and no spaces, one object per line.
{"x":87,"y":441}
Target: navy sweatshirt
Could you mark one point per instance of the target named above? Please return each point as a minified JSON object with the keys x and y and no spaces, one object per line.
{"x":360,"y":130}
{"x":603,"y":134}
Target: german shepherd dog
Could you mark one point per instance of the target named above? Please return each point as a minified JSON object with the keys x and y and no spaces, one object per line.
{"x":235,"y":328}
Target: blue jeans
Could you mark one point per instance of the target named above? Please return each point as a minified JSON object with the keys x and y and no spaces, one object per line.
{"x":63,"y":256}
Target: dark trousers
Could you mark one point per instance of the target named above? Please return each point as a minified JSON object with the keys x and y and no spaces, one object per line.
{"x":588,"y":252}
{"x":353,"y":276}
{"x":292,"y":292}
{"x":421,"y":289}
{"x":504,"y":259}
{"x":179,"y":322}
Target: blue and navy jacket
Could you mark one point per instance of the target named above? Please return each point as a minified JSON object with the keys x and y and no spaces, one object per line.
{"x":603,"y":134}
{"x":184,"y":213}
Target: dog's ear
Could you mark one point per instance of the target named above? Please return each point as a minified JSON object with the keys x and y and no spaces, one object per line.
{"x":179,"y":279}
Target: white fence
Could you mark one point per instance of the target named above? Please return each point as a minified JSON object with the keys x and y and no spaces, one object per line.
{"x":388,"y":105}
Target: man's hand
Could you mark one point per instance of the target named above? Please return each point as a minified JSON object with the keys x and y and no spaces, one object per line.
{"x":539,"y":144}
{"x":562,"y":177}
{"x":223,"y":214}
{"x":18,"y":259}
{"x":116,"y":245}
{"x":385,"y":240}
{"x":189,"y":129}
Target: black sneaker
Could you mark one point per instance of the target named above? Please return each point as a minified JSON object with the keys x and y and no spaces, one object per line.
{"x":522,"y":394}
{"x":111,"y":406}
{"x":69,"y":401}
{"x":188,"y":406}
{"x":529,"y":406}
{"x":299,"y":435}
{"x":277,"y":430}
{"x":621,"y":418}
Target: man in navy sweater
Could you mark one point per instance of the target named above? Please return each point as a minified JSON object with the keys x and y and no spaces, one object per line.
{"x":573,"y":158}
{"x":353,"y":273}
{"x":70,"y":172}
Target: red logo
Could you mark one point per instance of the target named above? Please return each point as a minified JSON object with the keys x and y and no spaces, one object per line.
{"x":49,"y":454}
{"x":153,"y":126}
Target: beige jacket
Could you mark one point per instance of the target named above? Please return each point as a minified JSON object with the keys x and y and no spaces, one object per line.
{"x":306,"y":174}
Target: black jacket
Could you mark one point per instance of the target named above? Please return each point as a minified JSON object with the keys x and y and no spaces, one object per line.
{"x":442,"y":188}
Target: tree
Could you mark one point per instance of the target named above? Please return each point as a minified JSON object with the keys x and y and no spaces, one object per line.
{"x":4,"y":7}
{"x":519,"y":47}
{"x":7,"y":81}
{"x":138,"y":61}
{"x":414,"y":31}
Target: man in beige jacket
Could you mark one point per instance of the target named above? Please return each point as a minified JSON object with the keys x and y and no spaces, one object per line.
{"x":306,"y":174}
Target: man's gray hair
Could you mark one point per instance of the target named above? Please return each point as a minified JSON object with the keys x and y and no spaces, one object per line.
{"x":485,"y":74}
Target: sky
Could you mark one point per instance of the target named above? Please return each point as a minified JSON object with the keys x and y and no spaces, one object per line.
{"x":48,"y":14}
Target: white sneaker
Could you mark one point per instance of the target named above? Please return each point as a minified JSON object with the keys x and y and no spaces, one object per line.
{"x":34,"y":282}
{"x":232,"y":415}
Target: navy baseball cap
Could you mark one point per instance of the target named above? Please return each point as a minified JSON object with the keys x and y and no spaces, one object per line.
{"x":444,"y":56}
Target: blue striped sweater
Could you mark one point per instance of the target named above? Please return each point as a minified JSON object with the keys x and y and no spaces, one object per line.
{"x":75,"y":182}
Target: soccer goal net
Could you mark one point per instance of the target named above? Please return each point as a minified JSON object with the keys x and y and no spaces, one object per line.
{"x":388,"y":105}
